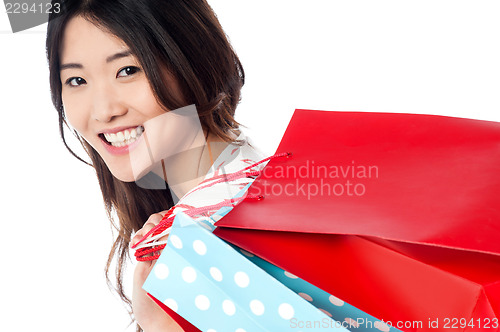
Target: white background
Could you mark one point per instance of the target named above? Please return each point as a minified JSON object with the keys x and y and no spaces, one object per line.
{"x":436,"y":57}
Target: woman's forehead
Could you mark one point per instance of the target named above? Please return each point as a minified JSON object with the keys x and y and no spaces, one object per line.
{"x":84,"y":41}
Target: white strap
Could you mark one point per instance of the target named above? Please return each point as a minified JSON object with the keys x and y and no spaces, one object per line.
{"x":152,"y":241}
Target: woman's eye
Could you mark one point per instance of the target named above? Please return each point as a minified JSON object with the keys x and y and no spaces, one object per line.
{"x":75,"y":81}
{"x":127,"y":71}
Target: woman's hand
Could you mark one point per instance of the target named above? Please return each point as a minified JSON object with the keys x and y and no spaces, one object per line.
{"x":148,"y":314}
{"x":153,"y":220}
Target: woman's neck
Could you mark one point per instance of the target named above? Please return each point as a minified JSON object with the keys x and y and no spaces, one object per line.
{"x":187,"y":169}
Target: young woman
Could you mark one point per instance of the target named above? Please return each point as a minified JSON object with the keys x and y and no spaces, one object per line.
{"x":150,"y":90}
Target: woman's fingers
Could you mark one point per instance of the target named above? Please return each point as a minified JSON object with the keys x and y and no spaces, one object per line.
{"x":152,"y":221}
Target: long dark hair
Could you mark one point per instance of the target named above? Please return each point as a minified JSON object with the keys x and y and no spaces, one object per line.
{"x":182,"y":37}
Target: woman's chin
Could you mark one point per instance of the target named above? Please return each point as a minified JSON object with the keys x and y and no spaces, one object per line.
{"x":125,"y":175}
{"x":146,"y":179}
{"x":125,"y":170}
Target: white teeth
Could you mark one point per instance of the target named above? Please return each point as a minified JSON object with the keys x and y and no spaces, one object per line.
{"x":110,"y":137}
{"x":123,"y":138}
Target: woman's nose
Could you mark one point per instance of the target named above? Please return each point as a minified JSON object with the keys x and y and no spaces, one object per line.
{"x":107,"y":105}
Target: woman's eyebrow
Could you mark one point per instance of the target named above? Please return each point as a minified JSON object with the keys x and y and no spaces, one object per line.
{"x":109,"y":59}
{"x":118,"y":55}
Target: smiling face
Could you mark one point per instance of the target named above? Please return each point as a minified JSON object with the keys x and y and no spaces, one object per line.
{"x":106,"y":95}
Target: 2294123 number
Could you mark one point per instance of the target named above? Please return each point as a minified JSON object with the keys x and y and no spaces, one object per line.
{"x":461,"y":323}
{"x":35,"y":8}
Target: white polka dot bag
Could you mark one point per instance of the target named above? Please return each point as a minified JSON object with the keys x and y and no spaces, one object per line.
{"x":216,"y":287}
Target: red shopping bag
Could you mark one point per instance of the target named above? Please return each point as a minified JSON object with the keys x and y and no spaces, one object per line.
{"x":397,"y":214}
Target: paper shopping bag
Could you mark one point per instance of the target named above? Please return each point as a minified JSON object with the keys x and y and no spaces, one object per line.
{"x":406,"y":206}
{"x":215,"y":288}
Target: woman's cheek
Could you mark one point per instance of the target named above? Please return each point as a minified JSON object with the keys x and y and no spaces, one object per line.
{"x":142,"y":99}
{"x":76,"y":116}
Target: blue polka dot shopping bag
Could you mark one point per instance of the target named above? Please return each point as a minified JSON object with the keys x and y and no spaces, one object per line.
{"x":219,"y":287}
{"x":396,"y":214}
